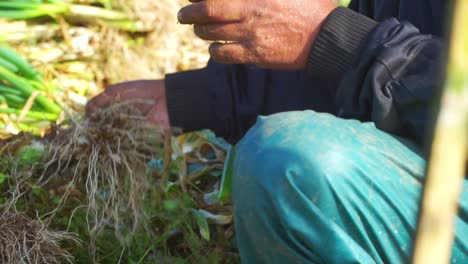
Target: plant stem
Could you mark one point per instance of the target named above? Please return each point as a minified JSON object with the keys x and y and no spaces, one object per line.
{"x":32,"y":114}
{"x":95,"y":12}
{"x":23,"y":85}
{"x":449,"y":152}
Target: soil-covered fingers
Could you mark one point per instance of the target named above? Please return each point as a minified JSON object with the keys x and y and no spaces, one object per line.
{"x":99,"y":102}
{"x":212,"y":11}
{"x":221,"y":32}
{"x":138,"y":92}
{"x":111,"y":95}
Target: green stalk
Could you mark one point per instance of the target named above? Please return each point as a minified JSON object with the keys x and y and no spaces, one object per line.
{"x":24,"y":10}
{"x":23,"y":66}
{"x":126,"y":25}
{"x":27,"y":10}
{"x":14,"y":100}
{"x":8,"y":90}
{"x":34,"y":129}
{"x":32,"y":120}
{"x":44,"y":86}
{"x":28,"y":34}
{"x":8,"y":65}
{"x":22,"y":14}
{"x":23,"y":86}
{"x":32,"y":114}
{"x":28,"y":5}
{"x":25,"y":127}
{"x":95,"y":12}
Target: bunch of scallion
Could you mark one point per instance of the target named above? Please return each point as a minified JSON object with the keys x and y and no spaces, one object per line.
{"x":30,"y":9}
{"x":26,"y":103}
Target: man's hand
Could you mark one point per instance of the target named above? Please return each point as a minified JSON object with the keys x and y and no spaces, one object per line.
{"x":275,"y":34}
{"x":148,"y":96}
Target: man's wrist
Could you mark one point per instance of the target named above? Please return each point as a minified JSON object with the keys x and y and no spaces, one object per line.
{"x":338,"y":43}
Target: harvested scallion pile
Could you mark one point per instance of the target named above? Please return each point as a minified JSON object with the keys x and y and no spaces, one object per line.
{"x":30,"y":9}
{"x":26,"y":102}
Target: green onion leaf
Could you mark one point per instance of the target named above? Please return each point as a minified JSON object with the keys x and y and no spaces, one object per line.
{"x":23,"y":66}
{"x":23,"y":85}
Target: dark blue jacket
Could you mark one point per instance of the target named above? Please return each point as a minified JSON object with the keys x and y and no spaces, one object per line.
{"x":381,"y":65}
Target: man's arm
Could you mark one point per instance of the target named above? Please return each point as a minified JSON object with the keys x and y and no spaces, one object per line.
{"x":382,"y":72}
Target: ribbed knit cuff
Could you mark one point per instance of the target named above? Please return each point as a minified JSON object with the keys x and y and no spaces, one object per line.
{"x":338,"y":43}
{"x":188,"y":100}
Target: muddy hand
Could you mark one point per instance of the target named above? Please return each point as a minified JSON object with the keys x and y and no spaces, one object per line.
{"x":148,"y":96}
{"x":274,"y":34}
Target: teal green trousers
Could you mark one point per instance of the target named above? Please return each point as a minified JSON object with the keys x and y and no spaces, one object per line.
{"x":313,"y":188}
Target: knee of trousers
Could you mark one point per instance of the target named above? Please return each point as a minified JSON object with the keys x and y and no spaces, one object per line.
{"x":289,"y":157}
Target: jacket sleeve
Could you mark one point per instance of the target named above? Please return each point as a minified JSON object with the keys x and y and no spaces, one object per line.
{"x":388,"y":71}
{"x":228,"y":98}
{"x":218,"y":97}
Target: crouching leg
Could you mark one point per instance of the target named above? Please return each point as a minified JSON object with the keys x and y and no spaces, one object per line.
{"x":313,"y":188}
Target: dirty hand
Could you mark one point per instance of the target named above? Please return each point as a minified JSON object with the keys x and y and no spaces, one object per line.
{"x":148,"y":96}
{"x":275,"y":34}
